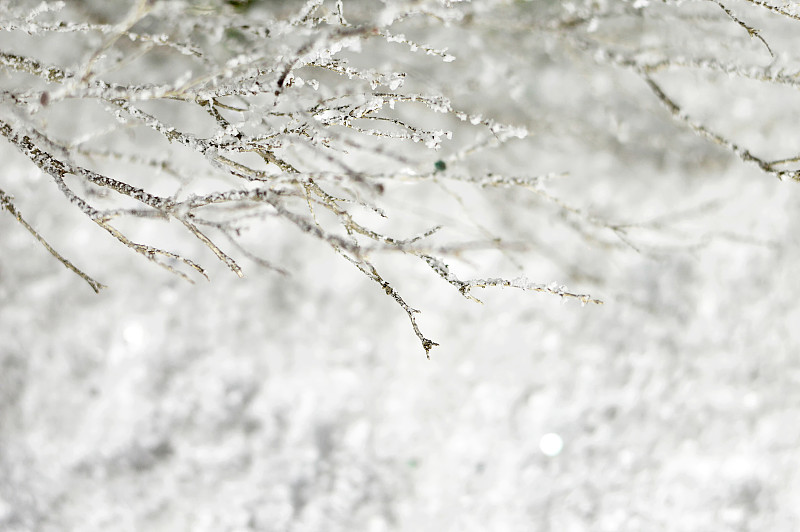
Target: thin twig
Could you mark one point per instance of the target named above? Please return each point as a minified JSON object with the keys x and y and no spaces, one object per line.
{"x":5,"y":201}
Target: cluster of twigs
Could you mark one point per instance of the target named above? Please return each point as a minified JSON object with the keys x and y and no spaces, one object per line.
{"x":282,"y":89}
{"x":774,"y":66}
{"x":306,"y":131}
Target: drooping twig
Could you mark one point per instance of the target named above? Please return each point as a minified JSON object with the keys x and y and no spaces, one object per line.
{"x":5,"y":201}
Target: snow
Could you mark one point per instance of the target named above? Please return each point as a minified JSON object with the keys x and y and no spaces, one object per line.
{"x":305,"y":402}
{"x":551,"y":444}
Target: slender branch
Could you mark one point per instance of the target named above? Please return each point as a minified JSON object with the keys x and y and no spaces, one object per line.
{"x":6,"y":202}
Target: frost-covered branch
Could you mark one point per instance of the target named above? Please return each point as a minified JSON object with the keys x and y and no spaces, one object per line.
{"x":8,"y":205}
{"x":308,"y":114}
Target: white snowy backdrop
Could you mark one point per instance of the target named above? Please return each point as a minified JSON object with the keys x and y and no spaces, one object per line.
{"x":304,"y":402}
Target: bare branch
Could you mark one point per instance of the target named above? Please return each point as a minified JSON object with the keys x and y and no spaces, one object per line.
{"x":6,"y":202}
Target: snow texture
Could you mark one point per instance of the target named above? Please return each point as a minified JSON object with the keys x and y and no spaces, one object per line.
{"x":351,"y":177}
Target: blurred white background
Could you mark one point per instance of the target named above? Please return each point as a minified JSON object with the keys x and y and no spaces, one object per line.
{"x":305,"y":403}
